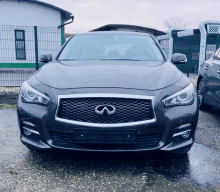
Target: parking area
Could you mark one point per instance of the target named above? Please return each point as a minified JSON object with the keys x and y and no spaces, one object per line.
{"x":22,"y":170}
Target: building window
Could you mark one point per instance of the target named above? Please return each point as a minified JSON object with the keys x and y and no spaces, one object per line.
{"x":20,"y":44}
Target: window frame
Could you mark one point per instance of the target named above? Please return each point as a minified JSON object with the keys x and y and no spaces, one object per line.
{"x":165,"y":48}
{"x":20,"y":49}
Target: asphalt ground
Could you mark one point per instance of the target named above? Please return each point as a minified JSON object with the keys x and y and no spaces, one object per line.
{"x":23,"y":170}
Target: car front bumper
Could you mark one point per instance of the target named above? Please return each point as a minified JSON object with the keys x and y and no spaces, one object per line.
{"x":155,"y":135}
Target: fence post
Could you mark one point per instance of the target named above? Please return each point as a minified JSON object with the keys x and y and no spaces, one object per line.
{"x":189,"y":60}
{"x":188,"y":70}
{"x":62,"y":34}
{"x":36,"y":48}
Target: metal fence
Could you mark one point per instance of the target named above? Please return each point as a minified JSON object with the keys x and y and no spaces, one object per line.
{"x":20,"y":48}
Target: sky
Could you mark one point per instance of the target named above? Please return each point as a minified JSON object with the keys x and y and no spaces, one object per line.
{"x":91,"y":14}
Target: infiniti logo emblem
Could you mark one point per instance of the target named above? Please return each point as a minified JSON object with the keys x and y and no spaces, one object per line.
{"x":105,"y":110}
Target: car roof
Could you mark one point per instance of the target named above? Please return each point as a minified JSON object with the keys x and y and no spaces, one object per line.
{"x":113,"y":32}
{"x":134,"y":28}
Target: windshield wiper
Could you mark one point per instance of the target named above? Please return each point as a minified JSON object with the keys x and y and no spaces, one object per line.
{"x":121,"y":59}
{"x":67,"y":60}
{"x":101,"y":59}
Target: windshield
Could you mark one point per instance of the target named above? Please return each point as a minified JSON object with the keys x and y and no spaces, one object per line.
{"x":111,"y":47}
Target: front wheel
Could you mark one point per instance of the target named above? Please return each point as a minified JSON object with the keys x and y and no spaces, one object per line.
{"x":200,"y":93}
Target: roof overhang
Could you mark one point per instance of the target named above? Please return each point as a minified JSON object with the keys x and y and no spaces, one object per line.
{"x":135,"y":28}
{"x":66,"y":15}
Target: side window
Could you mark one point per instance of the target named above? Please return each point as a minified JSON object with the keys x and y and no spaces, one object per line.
{"x":210,"y":50}
{"x":216,"y":55}
{"x":20,"y":45}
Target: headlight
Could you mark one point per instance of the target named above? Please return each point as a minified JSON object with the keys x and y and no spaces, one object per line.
{"x":31,"y":95}
{"x":183,"y":97}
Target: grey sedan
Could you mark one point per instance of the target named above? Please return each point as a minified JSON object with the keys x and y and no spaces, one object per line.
{"x":109,"y":91}
{"x":209,"y":82}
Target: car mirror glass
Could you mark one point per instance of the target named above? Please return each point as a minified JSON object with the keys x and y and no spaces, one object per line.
{"x":178,"y":58}
{"x":45,"y":57}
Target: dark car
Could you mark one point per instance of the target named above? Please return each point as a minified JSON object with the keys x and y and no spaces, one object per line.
{"x":208,"y":84}
{"x":109,"y":91}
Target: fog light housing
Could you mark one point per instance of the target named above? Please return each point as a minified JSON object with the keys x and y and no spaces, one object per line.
{"x":27,"y":132}
{"x":186,"y":135}
{"x":31,"y":133}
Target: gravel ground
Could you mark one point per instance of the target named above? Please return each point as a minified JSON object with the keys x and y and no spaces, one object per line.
{"x":9,"y":90}
{"x":23,"y":170}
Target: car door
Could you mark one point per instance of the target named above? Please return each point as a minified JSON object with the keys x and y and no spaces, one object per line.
{"x":215,"y":88}
{"x":208,"y":80}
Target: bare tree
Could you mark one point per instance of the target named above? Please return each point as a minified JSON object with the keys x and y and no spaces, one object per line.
{"x":175,"y":22}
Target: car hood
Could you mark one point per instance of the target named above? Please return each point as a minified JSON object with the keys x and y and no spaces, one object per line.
{"x":149,"y":75}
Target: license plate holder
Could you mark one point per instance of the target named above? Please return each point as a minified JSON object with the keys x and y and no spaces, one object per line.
{"x":105,"y":136}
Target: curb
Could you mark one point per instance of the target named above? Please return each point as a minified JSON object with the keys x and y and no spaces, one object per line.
{"x":9,"y":99}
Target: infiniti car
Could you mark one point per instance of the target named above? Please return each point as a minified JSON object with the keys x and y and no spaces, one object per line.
{"x":208,"y":85}
{"x":109,"y":91}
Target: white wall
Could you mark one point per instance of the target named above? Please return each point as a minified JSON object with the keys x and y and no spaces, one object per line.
{"x":28,"y":14}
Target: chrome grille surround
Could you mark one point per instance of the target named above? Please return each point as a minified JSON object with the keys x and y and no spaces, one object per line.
{"x":105,"y":95}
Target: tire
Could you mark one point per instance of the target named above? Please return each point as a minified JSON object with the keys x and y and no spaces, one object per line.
{"x":182,"y":151}
{"x":200,"y":94}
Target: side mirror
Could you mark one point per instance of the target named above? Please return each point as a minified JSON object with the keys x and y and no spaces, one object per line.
{"x":45,"y":57}
{"x":178,"y":58}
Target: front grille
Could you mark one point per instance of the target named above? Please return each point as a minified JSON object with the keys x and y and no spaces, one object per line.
{"x":69,"y":140}
{"x":127,"y":110}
